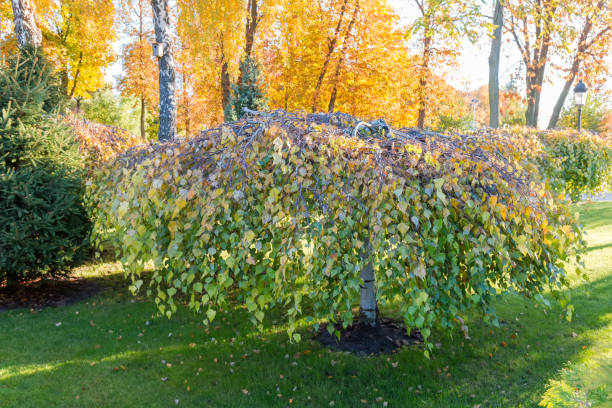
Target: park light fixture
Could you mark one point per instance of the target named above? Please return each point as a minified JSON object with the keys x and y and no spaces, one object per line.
{"x":580,"y":96}
{"x":474,"y":103}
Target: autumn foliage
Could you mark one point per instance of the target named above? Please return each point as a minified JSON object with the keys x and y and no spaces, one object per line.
{"x":101,"y":142}
{"x":286,"y":209}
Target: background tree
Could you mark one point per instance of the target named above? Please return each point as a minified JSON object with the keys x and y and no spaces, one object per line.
{"x":26,"y":26}
{"x":539,"y":31}
{"x":167,"y":74}
{"x":108,"y":108}
{"x":440,"y":28}
{"x":494,"y":58}
{"x":139,"y":68}
{"x":215,"y":31}
{"x":78,"y":39}
{"x":591,"y":42}
{"x":370,"y":72}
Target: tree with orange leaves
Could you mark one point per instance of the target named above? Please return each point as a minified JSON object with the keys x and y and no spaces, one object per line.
{"x":139,"y":70}
{"x":591,"y":42}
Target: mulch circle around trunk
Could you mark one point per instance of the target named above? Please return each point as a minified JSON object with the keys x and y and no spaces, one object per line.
{"x":38,"y":294}
{"x":364,"y":340}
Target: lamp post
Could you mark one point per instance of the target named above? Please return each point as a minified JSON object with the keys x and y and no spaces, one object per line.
{"x":580,"y":95}
{"x":474,"y":124}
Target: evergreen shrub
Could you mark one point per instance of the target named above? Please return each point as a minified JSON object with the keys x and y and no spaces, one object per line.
{"x":43,"y":224}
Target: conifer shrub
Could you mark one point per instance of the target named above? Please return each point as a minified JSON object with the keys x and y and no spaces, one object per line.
{"x":247,"y":92}
{"x":43,"y":224}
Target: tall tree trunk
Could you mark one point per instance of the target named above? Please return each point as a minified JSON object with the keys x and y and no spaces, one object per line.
{"x":225,"y":90}
{"x":534,"y":89}
{"x":26,"y":29}
{"x":167,"y":75}
{"x":330,"y":50}
{"x":424,"y":75}
{"x":76,"y":76}
{"x":494,"y":57}
{"x":347,"y":34}
{"x":368,"y":306}
{"x":143,"y":111}
{"x":185,"y":103}
{"x":251,"y":26}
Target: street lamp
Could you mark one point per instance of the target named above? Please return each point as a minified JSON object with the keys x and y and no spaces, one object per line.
{"x":474,"y":105}
{"x":580,"y":96}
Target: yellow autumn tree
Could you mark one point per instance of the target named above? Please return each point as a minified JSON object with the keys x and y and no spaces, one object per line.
{"x":78,"y":37}
{"x":346,"y":55}
{"x":212,"y":36}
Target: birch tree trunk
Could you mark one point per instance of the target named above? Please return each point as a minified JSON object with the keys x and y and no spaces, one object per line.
{"x":494,"y":56}
{"x":167,"y":74}
{"x":26,"y":29}
{"x":368,"y":307}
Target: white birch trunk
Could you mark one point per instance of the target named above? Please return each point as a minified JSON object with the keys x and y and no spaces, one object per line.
{"x":368,"y":307}
{"x":167,"y":75}
{"x":26,"y":29}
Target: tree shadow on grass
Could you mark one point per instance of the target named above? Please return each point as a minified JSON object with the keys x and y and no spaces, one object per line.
{"x":108,"y":355}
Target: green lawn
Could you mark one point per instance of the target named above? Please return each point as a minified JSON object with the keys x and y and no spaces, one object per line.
{"x":113,"y":351}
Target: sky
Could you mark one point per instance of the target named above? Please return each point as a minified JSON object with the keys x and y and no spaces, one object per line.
{"x":472,"y":68}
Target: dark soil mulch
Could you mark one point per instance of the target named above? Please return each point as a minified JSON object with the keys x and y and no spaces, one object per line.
{"x":40,"y":293}
{"x":364,"y":340}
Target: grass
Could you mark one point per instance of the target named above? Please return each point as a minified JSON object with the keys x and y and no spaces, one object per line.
{"x":114,"y":351}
